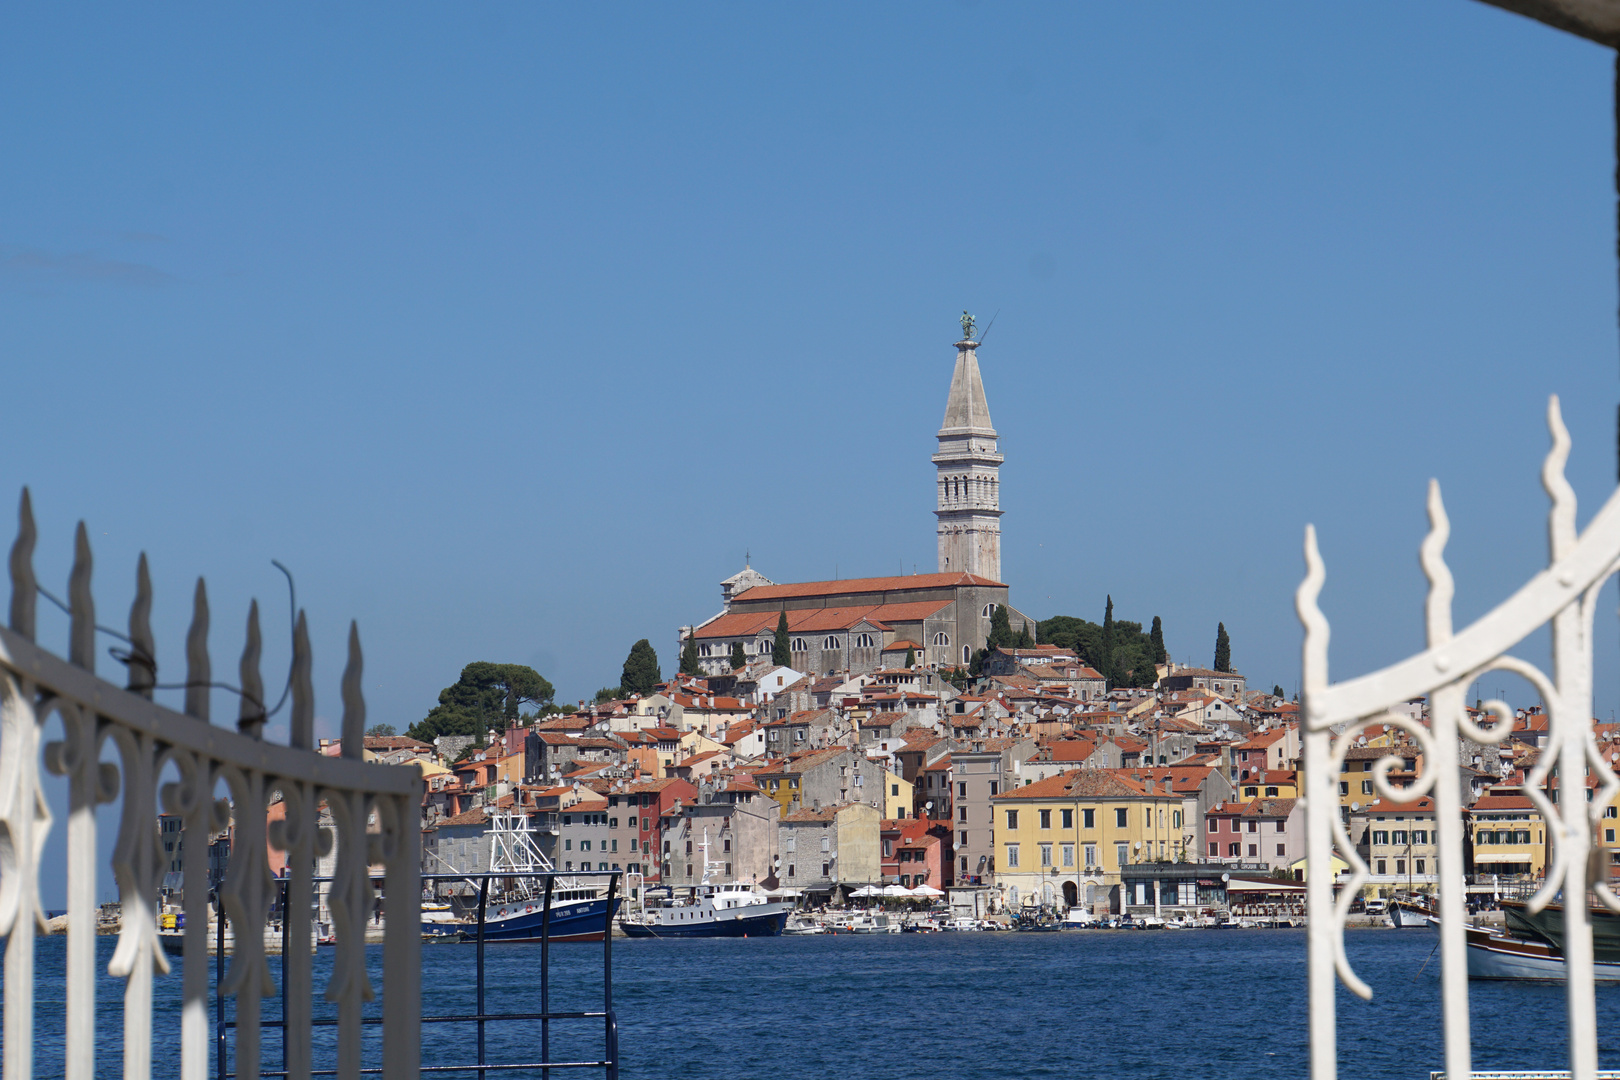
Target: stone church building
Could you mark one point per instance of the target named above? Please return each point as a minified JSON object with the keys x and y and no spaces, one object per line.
{"x":848,"y":625}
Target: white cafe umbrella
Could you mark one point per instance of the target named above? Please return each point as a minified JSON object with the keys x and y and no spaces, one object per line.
{"x":926,"y":890}
{"x":867,"y":890}
{"x":896,"y":890}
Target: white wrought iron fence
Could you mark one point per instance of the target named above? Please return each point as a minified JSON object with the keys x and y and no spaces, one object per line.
{"x":1562,"y":596}
{"x":36,"y":685}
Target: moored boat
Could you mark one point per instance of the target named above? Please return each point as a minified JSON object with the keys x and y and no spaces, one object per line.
{"x":577,"y":911}
{"x":1503,"y":956}
{"x":732,"y":909}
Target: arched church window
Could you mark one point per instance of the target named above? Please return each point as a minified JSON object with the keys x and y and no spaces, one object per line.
{"x":864,"y":641}
{"x":799,"y":645}
{"x":989,"y":610}
{"x":704,"y":650}
{"x":942,"y":639}
{"x":764,"y":646}
{"x":830,"y":643}
{"x":967,"y":654}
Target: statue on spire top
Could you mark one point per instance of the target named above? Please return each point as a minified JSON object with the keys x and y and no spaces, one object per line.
{"x":968,"y":326}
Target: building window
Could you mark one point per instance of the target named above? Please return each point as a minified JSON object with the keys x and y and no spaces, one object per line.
{"x":1417,"y":865}
{"x":1344,"y":787}
{"x":790,"y":869}
{"x":1281,"y":851}
{"x":1234,"y":851}
{"x":961,"y":789}
{"x":1122,"y":853}
{"x":1366,"y":787}
{"x":830,"y":643}
{"x":1012,"y":819}
{"x":1068,"y":855}
{"x":1121,"y":817}
{"x":704,"y":650}
{"x":1214,"y":850}
{"x":1090,"y":852}
{"x":1068,"y":819}
{"x":989,"y":610}
{"x":1380,"y":836}
{"x":942,"y":638}
{"x":1400,"y":866}
{"x":961,"y":813}
{"x":1012,"y":856}
{"x":799,"y":645}
{"x":1046,"y":819}
{"x":1088,"y":818}
{"x":864,"y":641}
{"x":1254,"y":851}
{"x":967,"y":657}
{"x":824,"y":868}
{"x":1046,"y":855}
{"x":1271,"y":793}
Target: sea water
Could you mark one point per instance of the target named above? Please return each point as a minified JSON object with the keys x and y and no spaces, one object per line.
{"x":1115,"y":1004}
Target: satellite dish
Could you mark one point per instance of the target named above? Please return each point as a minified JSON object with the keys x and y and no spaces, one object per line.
{"x":1355,"y":806}
{"x":1226,"y":877}
{"x":929,"y":805}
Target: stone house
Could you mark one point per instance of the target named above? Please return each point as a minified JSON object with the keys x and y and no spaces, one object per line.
{"x":983,"y":769}
{"x":739,"y":824}
{"x":831,"y":851}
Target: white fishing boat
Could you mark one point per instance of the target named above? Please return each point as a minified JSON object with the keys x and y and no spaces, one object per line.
{"x":1498,"y":956}
{"x":730,"y":909}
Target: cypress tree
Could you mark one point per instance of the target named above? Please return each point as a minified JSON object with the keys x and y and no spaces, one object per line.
{"x":1223,"y":649}
{"x":1157,"y":637}
{"x":1001,"y":631}
{"x":1024,"y":641}
{"x":738,"y":660}
{"x":1105,"y":662}
{"x":1276,"y":691}
{"x":689,"y":657}
{"x":641,"y":669}
{"x":781,"y":655}
{"x":911,"y":657}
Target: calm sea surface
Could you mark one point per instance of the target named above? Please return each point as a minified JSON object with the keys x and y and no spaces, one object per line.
{"x":1120,"y":1004}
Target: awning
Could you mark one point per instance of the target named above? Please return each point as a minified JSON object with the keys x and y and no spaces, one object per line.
{"x":1276,"y":885}
{"x":1486,"y":860}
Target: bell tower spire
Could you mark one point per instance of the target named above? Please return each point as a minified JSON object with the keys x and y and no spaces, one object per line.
{"x":968,"y":472}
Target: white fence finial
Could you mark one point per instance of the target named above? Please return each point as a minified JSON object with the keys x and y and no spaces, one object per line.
{"x":354,"y":701}
{"x":24,"y":587}
{"x":250,"y":716}
{"x":81,"y":605}
{"x":302,"y":734}
{"x":142,"y":646}
{"x":199,"y":670}
{"x":1431,"y":556}
{"x":1561,"y":516}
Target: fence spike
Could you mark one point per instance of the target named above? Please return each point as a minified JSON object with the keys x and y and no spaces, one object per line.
{"x":354,"y":700}
{"x":250,"y":718}
{"x":81,"y":605}
{"x":1561,"y":514}
{"x":24,"y":588}
{"x":302,"y":734}
{"x":199,"y":671}
{"x":143,"y":647}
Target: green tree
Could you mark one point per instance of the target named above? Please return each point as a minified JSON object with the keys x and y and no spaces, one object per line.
{"x":640,"y":673}
{"x":1223,"y":648}
{"x":380,"y":729}
{"x":1024,"y":641}
{"x":1276,"y":691}
{"x":911,"y":657}
{"x":1001,"y":631}
{"x":976,"y":665}
{"x":689,"y":657}
{"x":781,"y":655}
{"x":1106,"y":646}
{"x":608,"y":693}
{"x":1157,"y":637}
{"x":738,"y":660}
{"x":486,"y":696}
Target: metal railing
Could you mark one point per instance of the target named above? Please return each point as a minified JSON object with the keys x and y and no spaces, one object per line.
{"x":481,"y":1017}
{"x":36,"y":685}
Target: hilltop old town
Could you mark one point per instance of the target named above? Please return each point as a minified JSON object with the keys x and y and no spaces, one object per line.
{"x":825,"y":737}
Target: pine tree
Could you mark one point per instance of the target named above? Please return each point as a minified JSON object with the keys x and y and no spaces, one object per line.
{"x":738,"y":660}
{"x":641,"y":669}
{"x":781,"y":655}
{"x":689,"y":657}
{"x":1223,"y":649}
{"x":1105,"y":662}
{"x":911,"y":657}
{"x":1157,"y":637}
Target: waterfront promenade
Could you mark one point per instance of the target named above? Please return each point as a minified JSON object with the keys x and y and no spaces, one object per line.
{"x":1129,"y":1005}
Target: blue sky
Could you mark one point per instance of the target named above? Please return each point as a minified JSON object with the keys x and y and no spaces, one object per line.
{"x":509,"y":329}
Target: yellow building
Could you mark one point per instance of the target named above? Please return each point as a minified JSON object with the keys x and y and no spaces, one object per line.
{"x":897,"y":794}
{"x":1269,"y":784}
{"x":1510,"y":839}
{"x":1063,"y":840}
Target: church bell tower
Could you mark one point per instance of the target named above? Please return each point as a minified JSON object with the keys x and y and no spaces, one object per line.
{"x":969,"y":472}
